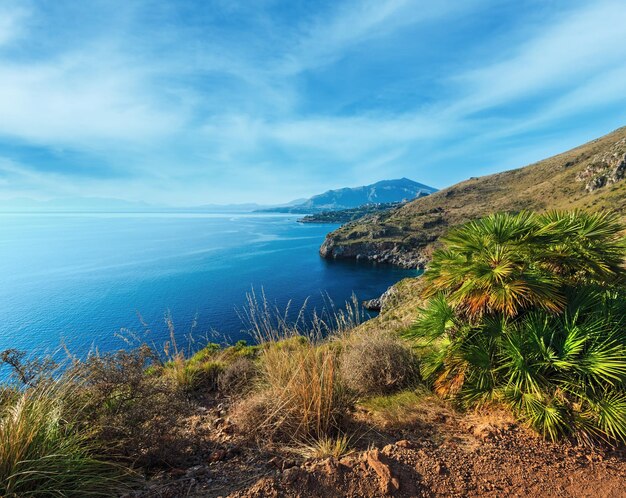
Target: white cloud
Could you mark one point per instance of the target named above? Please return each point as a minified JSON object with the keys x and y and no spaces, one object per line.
{"x":225,"y":109}
{"x":559,"y":54}
{"x":13,"y":14}
{"x":81,"y":99}
{"x":325,"y":40}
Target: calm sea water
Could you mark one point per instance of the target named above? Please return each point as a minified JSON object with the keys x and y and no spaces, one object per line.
{"x":81,"y":279}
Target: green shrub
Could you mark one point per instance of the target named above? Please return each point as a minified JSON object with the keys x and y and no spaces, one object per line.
{"x":191,"y":375}
{"x":530,"y":311}
{"x":206,"y":353}
{"x":240,"y":349}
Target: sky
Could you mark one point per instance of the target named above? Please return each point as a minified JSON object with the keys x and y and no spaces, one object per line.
{"x":181,"y":102}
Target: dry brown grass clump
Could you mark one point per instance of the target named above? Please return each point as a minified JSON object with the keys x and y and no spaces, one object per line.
{"x":239,"y":377}
{"x":376,"y":364}
{"x":301,"y":397}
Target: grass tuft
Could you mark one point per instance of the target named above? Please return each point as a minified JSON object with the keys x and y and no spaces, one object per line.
{"x":44,"y":451}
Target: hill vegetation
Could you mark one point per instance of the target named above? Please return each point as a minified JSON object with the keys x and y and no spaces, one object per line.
{"x":588,"y":177}
{"x":347,"y":215}
{"x":518,"y":317}
{"x":502,"y":370}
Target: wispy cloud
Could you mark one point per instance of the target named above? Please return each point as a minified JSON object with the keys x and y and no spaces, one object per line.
{"x":192,"y":102}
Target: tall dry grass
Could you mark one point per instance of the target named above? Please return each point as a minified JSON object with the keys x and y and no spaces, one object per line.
{"x":301,"y":395}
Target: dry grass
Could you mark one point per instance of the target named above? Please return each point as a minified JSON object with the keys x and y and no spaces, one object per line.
{"x":302,"y":395}
{"x":239,"y":377}
{"x":377,"y":364}
{"x":326,"y":446}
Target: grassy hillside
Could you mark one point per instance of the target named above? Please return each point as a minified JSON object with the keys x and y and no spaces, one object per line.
{"x":588,"y":177}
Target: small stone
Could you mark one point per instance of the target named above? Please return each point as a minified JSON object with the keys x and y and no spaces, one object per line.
{"x":404,"y":443}
{"x":233,"y":451}
{"x":331,"y":465}
{"x":291,"y":474}
{"x":217,"y":456}
{"x":197,"y":470}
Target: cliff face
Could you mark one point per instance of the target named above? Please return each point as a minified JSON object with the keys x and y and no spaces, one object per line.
{"x":591,"y":177}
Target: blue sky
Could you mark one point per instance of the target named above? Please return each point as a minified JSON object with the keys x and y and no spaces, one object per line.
{"x":188,"y":102}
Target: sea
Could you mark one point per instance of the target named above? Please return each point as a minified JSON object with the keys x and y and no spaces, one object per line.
{"x":82,"y":282}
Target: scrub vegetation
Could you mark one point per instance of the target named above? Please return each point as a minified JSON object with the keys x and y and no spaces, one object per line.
{"x":518,"y":313}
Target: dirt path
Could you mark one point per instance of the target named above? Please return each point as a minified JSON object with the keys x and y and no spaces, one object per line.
{"x":439,"y":453}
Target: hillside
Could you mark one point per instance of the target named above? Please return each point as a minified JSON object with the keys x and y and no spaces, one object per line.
{"x":590,"y":176}
{"x":383,"y":192}
{"x":346,"y":215}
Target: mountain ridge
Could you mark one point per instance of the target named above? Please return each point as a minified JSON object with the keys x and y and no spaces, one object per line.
{"x":590,"y":176}
{"x":381,"y":192}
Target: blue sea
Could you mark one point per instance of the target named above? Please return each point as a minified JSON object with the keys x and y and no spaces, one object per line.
{"x":81,"y":280}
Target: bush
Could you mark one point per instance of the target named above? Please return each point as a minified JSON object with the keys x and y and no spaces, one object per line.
{"x":530,"y":311}
{"x":134,"y":415}
{"x":46,"y":451}
{"x":238,"y":377}
{"x":377,"y":364}
{"x":193,"y":375}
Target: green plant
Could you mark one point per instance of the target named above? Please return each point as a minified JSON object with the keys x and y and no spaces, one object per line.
{"x":194,"y":374}
{"x":45,"y":450}
{"x":554,"y":351}
{"x":395,"y":410}
{"x":506,"y":264}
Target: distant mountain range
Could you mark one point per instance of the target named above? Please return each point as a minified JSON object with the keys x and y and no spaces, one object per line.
{"x":387,"y":191}
{"x":383,"y":192}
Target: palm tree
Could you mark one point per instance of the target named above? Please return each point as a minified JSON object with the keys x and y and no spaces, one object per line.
{"x":530,"y":310}
{"x":506,"y":263}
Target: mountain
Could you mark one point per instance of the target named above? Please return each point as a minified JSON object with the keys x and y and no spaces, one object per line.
{"x":383,"y":192}
{"x":588,"y":177}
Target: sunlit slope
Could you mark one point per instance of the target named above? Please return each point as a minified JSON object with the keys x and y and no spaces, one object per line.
{"x":590,"y":176}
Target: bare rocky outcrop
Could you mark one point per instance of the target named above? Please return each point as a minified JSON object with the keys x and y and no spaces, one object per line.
{"x":375,"y":252}
{"x":379,"y":303}
{"x":605,"y":168}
